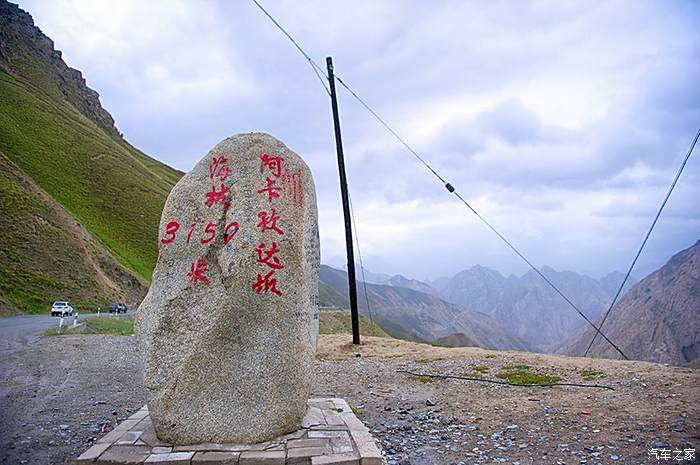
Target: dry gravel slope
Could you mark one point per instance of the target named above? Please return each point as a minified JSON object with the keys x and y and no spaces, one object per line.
{"x":417,"y":423}
{"x":463,"y":422}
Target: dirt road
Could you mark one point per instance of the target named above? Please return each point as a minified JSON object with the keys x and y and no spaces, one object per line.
{"x":57,"y":394}
{"x":17,"y":332}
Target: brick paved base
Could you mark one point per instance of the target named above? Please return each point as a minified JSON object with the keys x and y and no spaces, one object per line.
{"x":331,"y":434}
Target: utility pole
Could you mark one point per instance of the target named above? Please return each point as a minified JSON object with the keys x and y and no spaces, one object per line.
{"x":352,"y":285}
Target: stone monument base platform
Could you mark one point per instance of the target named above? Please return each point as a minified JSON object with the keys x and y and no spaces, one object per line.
{"x":330,"y":434}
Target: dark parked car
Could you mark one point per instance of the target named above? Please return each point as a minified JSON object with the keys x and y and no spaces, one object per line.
{"x":117,"y":308}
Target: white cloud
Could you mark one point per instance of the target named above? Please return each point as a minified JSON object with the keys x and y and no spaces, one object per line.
{"x":159,"y":54}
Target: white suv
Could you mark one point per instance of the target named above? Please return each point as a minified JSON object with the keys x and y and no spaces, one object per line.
{"x":61,"y":309}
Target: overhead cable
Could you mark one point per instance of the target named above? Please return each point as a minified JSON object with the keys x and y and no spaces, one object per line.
{"x":646,"y":238}
{"x":446,"y":184}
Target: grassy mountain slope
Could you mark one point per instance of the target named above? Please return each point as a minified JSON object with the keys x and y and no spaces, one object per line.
{"x":46,"y":254}
{"x":338,"y":322}
{"x":329,"y":297}
{"x":114,"y":191}
{"x":74,"y":193}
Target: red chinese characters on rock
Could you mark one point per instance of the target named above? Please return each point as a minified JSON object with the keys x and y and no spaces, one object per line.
{"x":266,"y":282}
{"x":270,"y":259}
{"x":207,"y":235}
{"x":292,"y":187}
{"x":272,"y":191}
{"x":197,"y":271}
{"x":220,"y":197}
{"x":278,"y":184}
{"x":291,"y":183}
{"x":218,"y":170}
{"x":273,"y":164}
{"x":268,"y":222}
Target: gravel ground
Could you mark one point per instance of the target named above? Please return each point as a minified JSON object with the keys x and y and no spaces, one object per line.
{"x":423,"y":422}
{"x":60,"y":394}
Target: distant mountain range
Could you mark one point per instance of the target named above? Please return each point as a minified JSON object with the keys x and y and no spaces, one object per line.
{"x":657,"y":320}
{"x":410,"y":314}
{"x":527,"y":305}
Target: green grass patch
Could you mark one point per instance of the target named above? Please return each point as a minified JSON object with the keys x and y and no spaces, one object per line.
{"x":590,"y":375}
{"x":490,"y":356}
{"x":521,"y":374}
{"x":481,"y":369}
{"x":97,"y":325}
{"x":356,"y":411}
{"x":423,"y":379}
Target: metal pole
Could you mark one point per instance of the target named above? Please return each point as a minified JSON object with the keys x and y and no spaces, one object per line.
{"x":352,"y":285}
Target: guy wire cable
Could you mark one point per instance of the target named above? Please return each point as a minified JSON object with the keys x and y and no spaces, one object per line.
{"x":646,"y":238}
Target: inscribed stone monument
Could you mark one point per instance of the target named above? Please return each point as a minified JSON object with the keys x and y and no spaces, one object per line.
{"x":228,"y":329}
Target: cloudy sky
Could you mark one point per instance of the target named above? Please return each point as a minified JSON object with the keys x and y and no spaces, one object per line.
{"x":563,"y":123}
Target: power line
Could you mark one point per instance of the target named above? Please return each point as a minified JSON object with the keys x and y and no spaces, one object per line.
{"x":359,"y":256}
{"x":388,"y":128}
{"x":317,"y":69}
{"x":452,"y":190}
{"x":447,"y":185}
{"x":646,"y":238}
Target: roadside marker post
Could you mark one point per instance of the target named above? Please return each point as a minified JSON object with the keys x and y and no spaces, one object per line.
{"x":75,"y":319}
{"x":60,"y":323}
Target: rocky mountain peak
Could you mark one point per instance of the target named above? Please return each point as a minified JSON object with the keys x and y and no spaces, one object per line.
{"x":658,"y":319}
{"x":28,"y":54}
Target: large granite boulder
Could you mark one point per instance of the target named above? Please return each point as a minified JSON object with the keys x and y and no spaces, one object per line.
{"x":228,"y":329}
